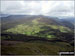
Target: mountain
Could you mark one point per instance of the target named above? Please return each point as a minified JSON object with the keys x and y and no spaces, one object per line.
{"x":13,"y":20}
{"x":41,"y":26}
{"x":3,"y":15}
{"x":35,"y":34}
{"x":68,"y":22}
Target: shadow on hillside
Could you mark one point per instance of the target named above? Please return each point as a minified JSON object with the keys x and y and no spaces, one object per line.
{"x":60,"y":37}
{"x":22,"y":37}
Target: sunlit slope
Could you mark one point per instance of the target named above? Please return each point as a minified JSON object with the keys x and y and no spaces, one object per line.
{"x":41,"y":27}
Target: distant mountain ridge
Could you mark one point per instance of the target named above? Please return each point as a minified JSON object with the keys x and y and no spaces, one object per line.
{"x":68,"y":21}
{"x":4,"y":15}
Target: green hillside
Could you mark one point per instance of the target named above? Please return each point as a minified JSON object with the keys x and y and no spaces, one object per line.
{"x":35,"y":36}
{"x":37,"y":28}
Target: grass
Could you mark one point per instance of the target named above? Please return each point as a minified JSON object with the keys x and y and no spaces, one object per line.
{"x":36,"y":27}
{"x":35,"y":48}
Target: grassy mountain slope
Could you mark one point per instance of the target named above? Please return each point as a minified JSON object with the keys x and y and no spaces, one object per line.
{"x":35,"y":35}
{"x":39,"y":27}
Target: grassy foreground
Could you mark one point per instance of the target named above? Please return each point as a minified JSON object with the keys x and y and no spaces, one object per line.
{"x":34,"y":48}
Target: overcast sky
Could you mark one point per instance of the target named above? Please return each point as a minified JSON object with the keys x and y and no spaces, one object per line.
{"x":49,"y":8}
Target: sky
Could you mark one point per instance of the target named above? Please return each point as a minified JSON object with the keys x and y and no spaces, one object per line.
{"x":47,"y":8}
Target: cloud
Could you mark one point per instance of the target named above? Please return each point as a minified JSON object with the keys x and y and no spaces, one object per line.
{"x":49,"y":8}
